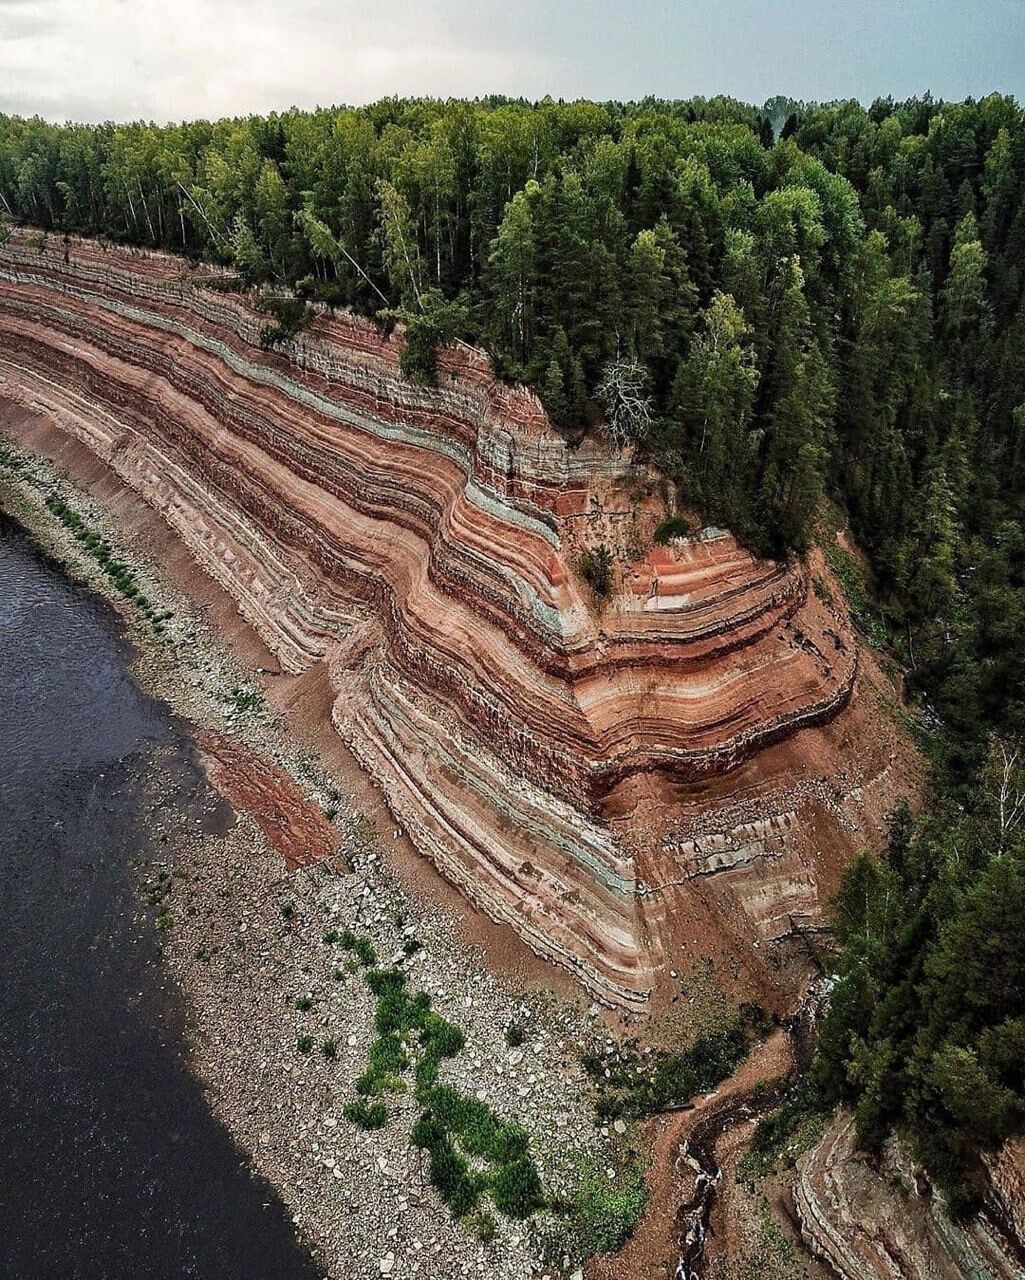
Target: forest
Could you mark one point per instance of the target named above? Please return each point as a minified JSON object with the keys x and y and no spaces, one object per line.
{"x":811,"y":316}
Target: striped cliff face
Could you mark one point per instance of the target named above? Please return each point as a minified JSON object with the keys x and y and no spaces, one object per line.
{"x":595,"y":776}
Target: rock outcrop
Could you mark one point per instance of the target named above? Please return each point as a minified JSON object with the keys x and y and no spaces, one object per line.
{"x":885,"y":1223}
{"x":676,"y":773}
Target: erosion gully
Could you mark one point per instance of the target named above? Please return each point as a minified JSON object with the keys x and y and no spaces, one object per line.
{"x":696,"y":1152}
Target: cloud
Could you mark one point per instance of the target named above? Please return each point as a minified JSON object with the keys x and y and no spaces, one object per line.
{"x":156,"y":60}
{"x":164,"y":60}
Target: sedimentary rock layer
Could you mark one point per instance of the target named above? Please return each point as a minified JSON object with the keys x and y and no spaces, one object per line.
{"x":885,"y":1224}
{"x":583,"y":770}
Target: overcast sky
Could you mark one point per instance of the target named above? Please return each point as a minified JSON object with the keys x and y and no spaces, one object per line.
{"x":173,"y":59}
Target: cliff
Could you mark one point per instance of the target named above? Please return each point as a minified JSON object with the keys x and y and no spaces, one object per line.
{"x":673,"y":777}
{"x":884,"y":1222}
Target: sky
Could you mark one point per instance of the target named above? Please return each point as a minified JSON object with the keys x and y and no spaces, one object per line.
{"x":164,"y":60}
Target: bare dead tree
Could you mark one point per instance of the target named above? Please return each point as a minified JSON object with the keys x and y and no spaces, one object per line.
{"x":624,"y":394}
{"x":1010,"y":788}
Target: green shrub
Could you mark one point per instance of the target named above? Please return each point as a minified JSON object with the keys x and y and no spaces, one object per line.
{"x":449,"y":1171}
{"x":516,"y":1188}
{"x":674,"y":527}
{"x":596,"y":570}
{"x":441,"y":1038}
{"x":372,"y":1115}
{"x":362,"y":948}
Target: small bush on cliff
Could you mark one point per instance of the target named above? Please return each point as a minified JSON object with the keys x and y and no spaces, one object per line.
{"x":434,"y":323}
{"x":291,"y":316}
{"x":596,"y":570}
{"x":674,"y":527}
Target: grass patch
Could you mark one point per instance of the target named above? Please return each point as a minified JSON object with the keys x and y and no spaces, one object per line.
{"x":470,"y":1151}
{"x":246,"y":701}
{"x":10,"y":459}
{"x":599,"y":1217}
{"x":102,"y":553}
{"x":604,"y":1211}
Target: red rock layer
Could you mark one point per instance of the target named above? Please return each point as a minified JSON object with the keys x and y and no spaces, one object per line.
{"x":574,"y":770}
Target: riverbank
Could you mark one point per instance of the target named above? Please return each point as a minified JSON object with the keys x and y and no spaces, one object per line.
{"x":111,"y":1162}
{"x":244,"y":938}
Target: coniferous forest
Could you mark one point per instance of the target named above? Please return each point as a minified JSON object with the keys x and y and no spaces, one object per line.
{"x":808,"y":315}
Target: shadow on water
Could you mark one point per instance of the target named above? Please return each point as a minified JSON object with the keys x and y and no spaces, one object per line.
{"x":111,"y":1164}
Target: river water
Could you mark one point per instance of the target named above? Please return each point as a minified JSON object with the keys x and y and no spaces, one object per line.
{"x":112,"y":1167}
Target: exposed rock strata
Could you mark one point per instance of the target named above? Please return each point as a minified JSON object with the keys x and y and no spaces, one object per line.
{"x":876,"y":1224}
{"x":669,"y":774}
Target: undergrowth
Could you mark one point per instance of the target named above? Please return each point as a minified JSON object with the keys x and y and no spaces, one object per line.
{"x":599,"y":1217}
{"x":635,"y":1084}
{"x":786,"y":1132}
{"x":470,"y":1151}
{"x":867,"y":616}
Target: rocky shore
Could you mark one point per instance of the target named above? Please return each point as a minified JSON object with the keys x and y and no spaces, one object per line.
{"x":281,"y":1018}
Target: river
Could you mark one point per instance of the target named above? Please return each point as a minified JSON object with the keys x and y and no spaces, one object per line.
{"x":112,"y":1166}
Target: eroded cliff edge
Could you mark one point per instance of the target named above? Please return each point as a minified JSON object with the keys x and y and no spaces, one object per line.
{"x":676,"y":777}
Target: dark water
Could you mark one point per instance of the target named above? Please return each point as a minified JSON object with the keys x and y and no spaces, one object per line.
{"x":111,"y":1165}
